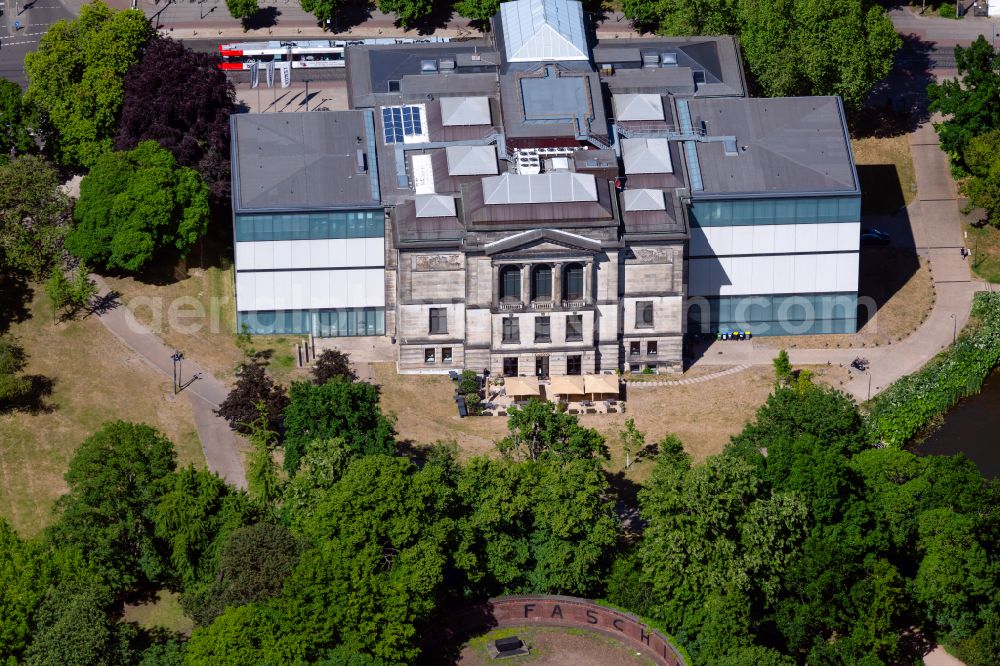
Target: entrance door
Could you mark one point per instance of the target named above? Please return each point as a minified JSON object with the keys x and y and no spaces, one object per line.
{"x":542,"y":367}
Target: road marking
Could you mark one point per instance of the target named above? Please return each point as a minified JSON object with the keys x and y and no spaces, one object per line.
{"x":19,"y":36}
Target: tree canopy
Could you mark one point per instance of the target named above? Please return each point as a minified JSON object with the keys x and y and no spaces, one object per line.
{"x":75,"y":79}
{"x":136,"y":205}
{"x":182,"y":100}
{"x":332,"y":363}
{"x":544,"y":430}
{"x":970,"y":103}
{"x":408,"y":12}
{"x":338,"y":408}
{"x":15,"y":136}
{"x":323,"y":10}
{"x":34,"y":217}
{"x":254,"y":388}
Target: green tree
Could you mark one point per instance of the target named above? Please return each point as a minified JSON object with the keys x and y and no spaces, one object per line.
{"x":254,"y":562}
{"x":195,"y":514}
{"x":338,"y":408}
{"x":408,"y":12}
{"x":383,"y":543}
{"x":323,"y":10}
{"x":982,"y":159}
{"x":545,"y":430}
{"x":67,"y":297}
{"x":135,"y":205}
{"x":323,"y":464}
{"x":971,"y":102}
{"x":242,"y":10}
{"x":116,"y":479}
{"x":635,"y":446}
{"x":15,"y":137}
{"x":782,"y":367}
{"x":539,"y":526}
{"x":817,"y":47}
{"x":14,"y":387}
{"x":73,"y":627}
{"x":683,"y":17}
{"x":247,"y":635}
{"x":75,"y":79}
{"x":35,"y":216}
{"x":26,"y":573}
{"x":478,"y":10}
{"x":262,"y":472}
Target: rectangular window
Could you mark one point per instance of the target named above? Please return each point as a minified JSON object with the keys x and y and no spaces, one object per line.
{"x":510,"y":366}
{"x":574,"y":328}
{"x":446,"y":354}
{"x":574,"y":364}
{"x":511,"y":330}
{"x":634,"y":348}
{"x":644,"y":314}
{"x":542,"y":330}
{"x":439,"y":320}
{"x":651,"y":348}
{"x":429,"y":355}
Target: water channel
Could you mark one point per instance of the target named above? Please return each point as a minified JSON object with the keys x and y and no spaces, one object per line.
{"x":971,"y":427}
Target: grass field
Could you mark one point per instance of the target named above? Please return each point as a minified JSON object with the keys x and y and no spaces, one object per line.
{"x":704,"y":416}
{"x":984,"y":242}
{"x":164,"y":612}
{"x":95,"y":379}
{"x":196,"y":315}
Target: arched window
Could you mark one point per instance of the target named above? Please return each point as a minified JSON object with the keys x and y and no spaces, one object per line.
{"x":541,"y":283}
{"x":510,"y":283}
{"x":573,"y":282}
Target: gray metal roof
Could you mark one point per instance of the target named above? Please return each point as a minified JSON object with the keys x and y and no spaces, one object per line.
{"x":471,"y":160}
{"x":550,"y":187}
{"x":434,"y":205}
{"x":543,"y":30}
{"x":465,"y":111}
{"x":646,"y":156}
{"x":303,"y":160}
{"x":784,"y":145}
{"x":636,"y":200}
{"x":647,"y":106}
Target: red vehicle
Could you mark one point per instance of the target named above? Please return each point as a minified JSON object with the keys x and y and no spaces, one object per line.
{"x":305,"y":54}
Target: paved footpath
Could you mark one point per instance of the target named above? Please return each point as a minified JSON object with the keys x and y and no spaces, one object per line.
{"x":220,"y":444}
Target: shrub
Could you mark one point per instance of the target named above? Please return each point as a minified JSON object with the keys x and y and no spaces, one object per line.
{"x":902,"y":410}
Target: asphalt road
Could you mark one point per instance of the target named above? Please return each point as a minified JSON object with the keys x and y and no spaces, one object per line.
{"x":15,"y":44}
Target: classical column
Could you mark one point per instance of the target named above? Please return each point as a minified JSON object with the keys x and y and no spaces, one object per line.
{"x":587,"y":278}
{"x":557,"y":270}
{"x":496,"y":285}
{"x":526,"y":284}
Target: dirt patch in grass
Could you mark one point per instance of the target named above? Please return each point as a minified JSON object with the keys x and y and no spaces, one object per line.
{"x":95,"y":379}
{"x":900,"y":285}
{"x":164,"y":611}
{"x":704,"y":415}
{"x":556,"y":645}
{"x":984,"y":243}
{"x":196,"y":315}
{"x":885,"y":169}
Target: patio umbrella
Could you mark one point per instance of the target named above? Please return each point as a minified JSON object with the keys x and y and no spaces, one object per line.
{"x":521,"y":386}
{"x":601,"y":384}
{"x":567,"y":385}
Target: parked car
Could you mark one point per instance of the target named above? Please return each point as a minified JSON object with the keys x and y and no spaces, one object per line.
{"x":874,"y":237}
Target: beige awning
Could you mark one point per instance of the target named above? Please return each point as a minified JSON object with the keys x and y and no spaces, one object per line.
{"x":601,"y":384}
{"x":520,"y":386}
{"x":571,"y":385}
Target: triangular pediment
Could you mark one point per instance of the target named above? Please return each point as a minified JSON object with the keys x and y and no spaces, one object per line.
{"x":543,"y":241}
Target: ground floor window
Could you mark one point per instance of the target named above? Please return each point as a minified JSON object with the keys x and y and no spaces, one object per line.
{"x":429,"y":355}
{"x":574,"y":364}
{"x":634,"y":347}
{"x":446,"y":354}
{"x":510,"y":366}
{"x":336,"y":323}
{"x":651,"y":348}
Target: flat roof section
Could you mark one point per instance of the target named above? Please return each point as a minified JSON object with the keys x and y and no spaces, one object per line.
{"x":304,"y":160}
{"x":555,"y":97}
{"x":784,"y":145}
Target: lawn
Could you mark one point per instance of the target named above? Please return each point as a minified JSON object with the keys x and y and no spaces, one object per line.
{"x":984,"y":243}
{"x":163,"y":612}
{"x":95,"y":379}
{"x":704,"y":415}
{"x":885,"y":169}
{"x":196,"y":314}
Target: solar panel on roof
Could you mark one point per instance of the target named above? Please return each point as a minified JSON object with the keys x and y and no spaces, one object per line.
{"x":400,"y":122}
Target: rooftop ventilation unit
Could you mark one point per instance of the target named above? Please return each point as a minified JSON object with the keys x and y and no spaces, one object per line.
{"x":730,"y":146}
{"x":393,"y":86}
{"x":446,"y":64}
{"x":359,"y":164}
{"x":668,"y":59}
{"x":699,"y":77}
{"x":428,"y":66}
{"x":650,"y":60}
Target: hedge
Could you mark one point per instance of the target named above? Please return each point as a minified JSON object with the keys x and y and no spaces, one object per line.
{"x":912,"y":402}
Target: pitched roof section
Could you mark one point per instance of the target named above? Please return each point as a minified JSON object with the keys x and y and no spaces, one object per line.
{"x":787,"y":145}
{"x":638,"y":107}
{"x":543,"y":30}
{"x":472,"y":160}
{"x":636,"y":200}
{"x":435,"y":205}
{"x":553,"y":187}
{"x":465,"y":111}
{"x":646,"y":156}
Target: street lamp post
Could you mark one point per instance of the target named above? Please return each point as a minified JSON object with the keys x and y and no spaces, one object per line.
{"x":954,"y":329}
{"x":869,"y":384}
{"x":178,"y":369}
